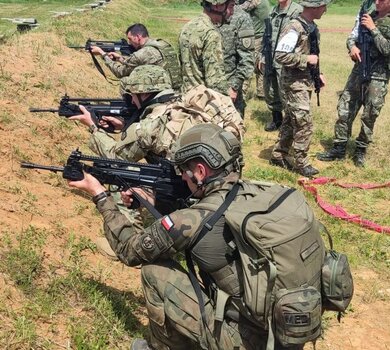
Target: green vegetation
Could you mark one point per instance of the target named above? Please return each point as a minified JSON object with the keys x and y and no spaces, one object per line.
{"x":66,"y":295}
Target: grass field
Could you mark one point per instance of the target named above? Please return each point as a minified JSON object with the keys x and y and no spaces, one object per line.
{"x":56,"y":291}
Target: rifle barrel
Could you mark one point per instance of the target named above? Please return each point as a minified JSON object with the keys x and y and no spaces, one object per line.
{"x":36,"y":110}
{"x":29,"y":165}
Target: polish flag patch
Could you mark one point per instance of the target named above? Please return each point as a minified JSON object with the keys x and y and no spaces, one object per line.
{"x":167,"y":223}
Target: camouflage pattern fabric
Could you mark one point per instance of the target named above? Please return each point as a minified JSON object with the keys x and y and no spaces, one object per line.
{"x":297,"y":127}
{"x":201,"y":55}
{"x":238,"y":48}
{"x":258,"y":10}
{"x":170,"y":61}
{"x":350,"y":103}
{"x":145,"y":55}
{"x":162,"y":123}
{"x":170,"y":299}
{"x":353,"y":37}
{"x":272,"y":83}
{"x":374,"y":92}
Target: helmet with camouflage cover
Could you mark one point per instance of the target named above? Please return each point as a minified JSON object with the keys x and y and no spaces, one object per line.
{"x":146,"y":78}
{"x":214,"y":2}
{"x":314,"y":3}
{"x":219,"y":148}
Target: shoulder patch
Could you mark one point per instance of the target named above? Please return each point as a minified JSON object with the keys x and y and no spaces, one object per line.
{"x":167,"y":223}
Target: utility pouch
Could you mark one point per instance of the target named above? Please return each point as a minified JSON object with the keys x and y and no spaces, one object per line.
{"x":337,"y":282}
{"x":297,"y":315}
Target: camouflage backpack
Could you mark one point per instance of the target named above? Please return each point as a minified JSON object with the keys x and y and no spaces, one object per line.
{"x":282,"y":253}
{"x":171,"y":63}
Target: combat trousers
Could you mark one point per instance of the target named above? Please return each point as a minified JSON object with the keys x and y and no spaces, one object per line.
{"x":272,"y":91}
{"x":240,"y":103}
{"x":351,"y":100}
{"x":258,"y":73}
{"x":297,"y":127}
{"x":174,"y":314}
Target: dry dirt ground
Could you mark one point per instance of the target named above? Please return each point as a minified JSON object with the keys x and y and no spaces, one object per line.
{"x":35,"y":71}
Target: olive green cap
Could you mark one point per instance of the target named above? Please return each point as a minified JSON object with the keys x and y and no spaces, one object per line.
{"x":145,"y":79}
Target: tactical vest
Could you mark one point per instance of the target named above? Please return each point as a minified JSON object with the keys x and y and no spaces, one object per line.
{"x":170,"y":61}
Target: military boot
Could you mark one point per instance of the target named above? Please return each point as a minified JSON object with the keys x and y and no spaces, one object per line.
{"x":140,"y":344}
{"x":276,"y":122}
{"x":308,"y":171}
{"x":336,"y":152}
{"x":359,"y":156}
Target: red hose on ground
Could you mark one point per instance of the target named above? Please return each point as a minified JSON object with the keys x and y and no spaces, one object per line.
{"x":338,"y":211}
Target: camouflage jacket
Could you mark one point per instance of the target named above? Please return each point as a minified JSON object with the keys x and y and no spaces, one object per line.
{"x":353,"y":37}
{"x":258,"y":10}
{"x":379,"y":48}
{"x":238,"y":48}
{"x":162,"y":123}
{"x":292,"y":51}
{"x":279,"y":19}
{"x":148,"y":54}
{"x":175,"y":233}
{"x":201,"y":55}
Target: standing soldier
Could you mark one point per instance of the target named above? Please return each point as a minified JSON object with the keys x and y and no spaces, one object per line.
{"x":238,"y":49}
{"x":258,"y":10}
{"x":367,"y":83}
{"x":200,"y":47}
{"x":280,"y":16}
{"x":293,"y":52}
{"x":147,"y":51}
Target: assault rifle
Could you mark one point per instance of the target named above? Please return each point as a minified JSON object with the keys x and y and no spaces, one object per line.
{"x":315,"y":69}
{"x":120,"y":46}
{"x":98,"y":107}
{"x":107,"y":46}
{"x":267,"y":47}
{"x":162,"y":179}
{"x":364,"y":44}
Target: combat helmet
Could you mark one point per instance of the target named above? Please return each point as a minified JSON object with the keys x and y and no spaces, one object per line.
{"x":219,"y":148}
{"x":214,"y":2}
{"x":314,"y":3}
{"x":146,"y":78}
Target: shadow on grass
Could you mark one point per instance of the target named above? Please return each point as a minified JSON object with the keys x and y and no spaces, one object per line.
{"x":126,"y":307}
{"x":261,"y":117}
{"x":265,"y":153}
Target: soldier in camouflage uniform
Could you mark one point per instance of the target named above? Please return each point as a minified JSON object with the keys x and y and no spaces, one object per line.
{"x":163,"y":115}
{"x":209,"y":159}
{"x":280,"y":16}
{"x":238,"y":48}
{"x":370,"y":95}
{"x":147,"y":51}
{"x":200,"y":47}
{"x":293,"y":54}
{"x":258,"y":10}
